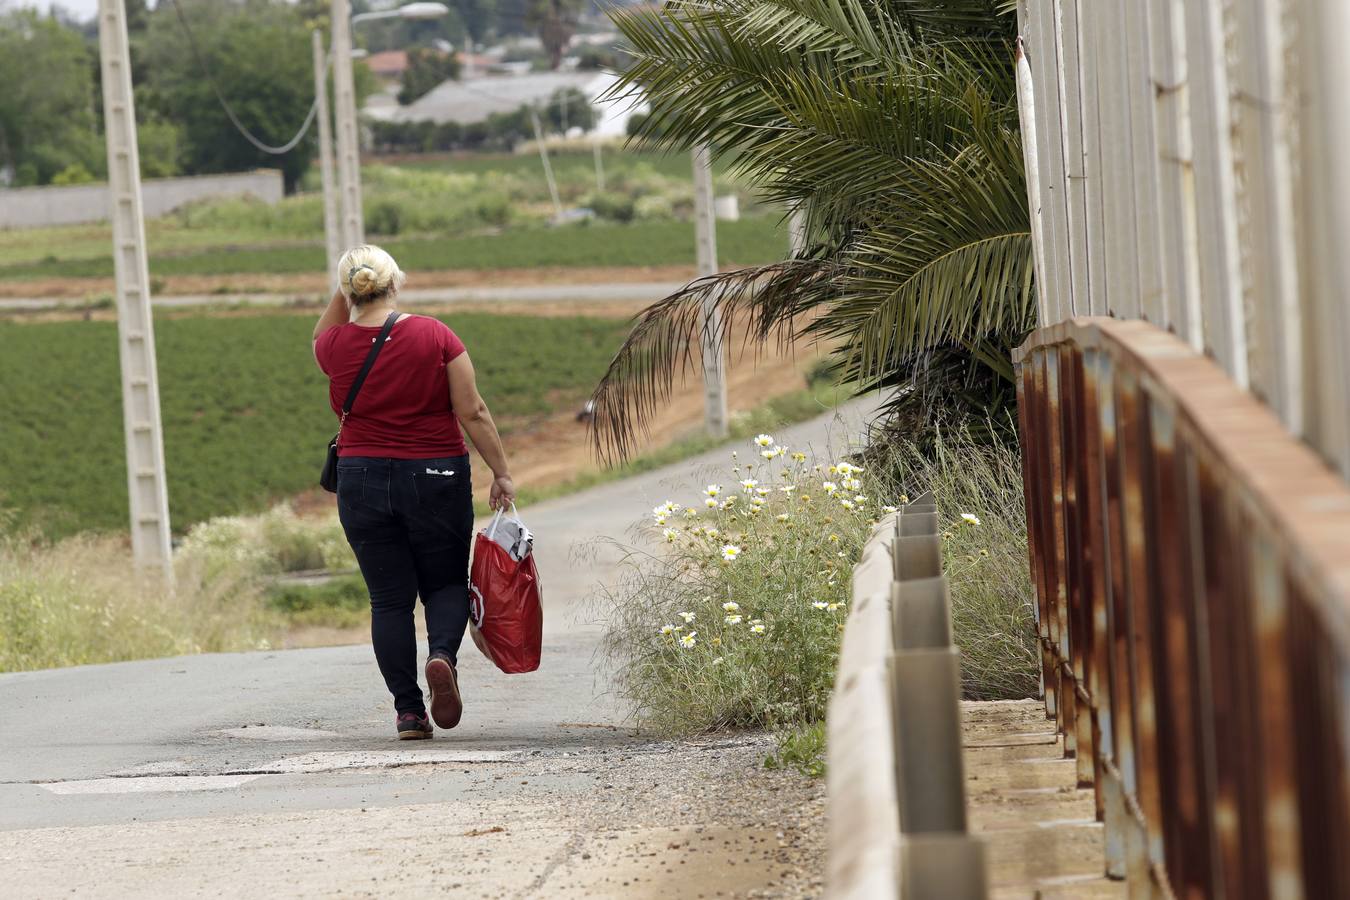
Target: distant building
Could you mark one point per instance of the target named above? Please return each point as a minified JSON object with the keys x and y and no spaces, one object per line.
{"x":474,"y":99}
{"x":389,"y":64}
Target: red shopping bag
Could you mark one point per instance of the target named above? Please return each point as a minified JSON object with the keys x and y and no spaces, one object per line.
{"x":504,"y":596}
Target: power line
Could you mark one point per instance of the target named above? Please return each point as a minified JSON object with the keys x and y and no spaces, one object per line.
{"x":229,"y":111}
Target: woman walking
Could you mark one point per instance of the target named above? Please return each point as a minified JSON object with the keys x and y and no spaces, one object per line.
{"x":404,"y":496}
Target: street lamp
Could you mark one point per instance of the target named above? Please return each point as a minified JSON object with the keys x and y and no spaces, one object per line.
{"x":348,"y":142}
{"x":406,"y":11}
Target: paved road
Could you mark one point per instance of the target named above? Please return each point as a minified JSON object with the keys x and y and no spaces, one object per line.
{"x":288,"y":731}
{"x":608,"y":292}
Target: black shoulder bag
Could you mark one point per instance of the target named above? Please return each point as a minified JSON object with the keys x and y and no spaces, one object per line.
{"x":328,"y":477}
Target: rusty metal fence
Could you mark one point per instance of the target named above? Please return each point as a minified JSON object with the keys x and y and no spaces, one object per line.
{"x":1192,"y":564}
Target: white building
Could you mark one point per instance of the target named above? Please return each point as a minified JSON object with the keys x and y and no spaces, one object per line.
{"x":474,"y":99}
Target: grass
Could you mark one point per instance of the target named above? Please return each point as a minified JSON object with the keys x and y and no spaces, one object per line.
{"x":650,"y":243}
{"x":244,"y":407}
{"x":80,"y":601}
{"x":480,"y":212}
{"x":341,"y":602}
{"x":802,"y":748}
{"x":986,"y":563}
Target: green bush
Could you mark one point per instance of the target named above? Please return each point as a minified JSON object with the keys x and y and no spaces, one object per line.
{"x":738,"y":627}
{"x":340,"y":602}
{"x":737,"y":624}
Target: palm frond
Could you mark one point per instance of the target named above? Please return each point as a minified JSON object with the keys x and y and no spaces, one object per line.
{"x":665,"y":345}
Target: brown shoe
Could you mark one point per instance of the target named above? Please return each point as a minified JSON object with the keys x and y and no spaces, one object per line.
{"x":443,"y":680}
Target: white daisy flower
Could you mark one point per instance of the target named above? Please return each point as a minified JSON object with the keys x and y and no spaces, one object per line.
{"x":730,"y":552}
{"x":690,"y":513}
{"x":971,"y":518}
{"x":670,"y":534}
{"x":757,"y":628}
{"x":687,"y":616}
{"x":764,"y":440}
{"x":731,"y":606}
{"x":888,"y":509}
{"x":820,"y":604}
{"x":783,"y":517}
{"x":711,"y":532}
{"x":833,"y":607}
{"x":734,"y":619}
{"x":830,"y":488}
{"x":788,"y":488}
{"x":749,"y":485}
{"x":668,"y":630}
{"x":711,"y":502}
{"x":846,"y":504}
{"x":689,"y":640}
{"x":713,"y":490}
{"x":717,"y":660}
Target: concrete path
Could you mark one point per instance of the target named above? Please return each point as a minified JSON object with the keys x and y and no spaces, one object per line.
{"x":244,"y":738}
{"x":636,"y":291}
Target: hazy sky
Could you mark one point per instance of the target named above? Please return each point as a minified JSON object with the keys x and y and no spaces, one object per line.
{"x":83,"y":9}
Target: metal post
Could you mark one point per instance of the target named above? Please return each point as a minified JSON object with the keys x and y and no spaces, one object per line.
{"x":348,"y":140}
{"x":146,"y":487}
{"x":714,"y":360}
{"x":332,"y":237}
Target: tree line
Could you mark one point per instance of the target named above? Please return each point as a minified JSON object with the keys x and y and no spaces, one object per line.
{"x":259,"y":59}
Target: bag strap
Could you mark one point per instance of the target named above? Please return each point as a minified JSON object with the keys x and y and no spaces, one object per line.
{"x":367,"y":366}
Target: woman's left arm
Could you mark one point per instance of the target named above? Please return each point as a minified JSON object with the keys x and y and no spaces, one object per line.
{"x":337,"y":313}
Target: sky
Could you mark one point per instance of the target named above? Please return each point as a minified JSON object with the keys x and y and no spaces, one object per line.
{"x":83,"y":9}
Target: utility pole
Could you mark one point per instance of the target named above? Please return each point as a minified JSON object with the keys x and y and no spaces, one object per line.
{"x":599,"y":164}
{"x":705,"y":238}
{"x":797,"y":231}
{"x":147,"y":490}
{"x":332,"y":238}
{"x":543,"y":156}
{"x":348,"y":140}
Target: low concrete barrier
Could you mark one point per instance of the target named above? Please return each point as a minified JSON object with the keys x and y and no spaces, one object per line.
{"x":36,"y":207}
{"x":895,"y":777}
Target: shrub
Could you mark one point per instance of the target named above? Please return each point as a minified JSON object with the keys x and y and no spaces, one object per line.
{"x":985,"y":559}
{"x":81,"y":601}
{"x":738,"y":624}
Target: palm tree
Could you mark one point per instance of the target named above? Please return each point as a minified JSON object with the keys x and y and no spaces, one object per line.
{"x":893,"y":126}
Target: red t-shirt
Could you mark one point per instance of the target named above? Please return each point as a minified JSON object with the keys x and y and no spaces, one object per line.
{"x":403,"y":409}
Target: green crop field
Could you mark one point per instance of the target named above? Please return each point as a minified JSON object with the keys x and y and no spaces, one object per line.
{"x":245,"y":407}
{"x":474,"y":212}
{"x":651,"y":243}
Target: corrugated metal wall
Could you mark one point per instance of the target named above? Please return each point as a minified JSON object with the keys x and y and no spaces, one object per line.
{"x":1192,"y":168}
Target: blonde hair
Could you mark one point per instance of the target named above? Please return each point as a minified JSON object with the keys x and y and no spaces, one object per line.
{"x":368,"y":273}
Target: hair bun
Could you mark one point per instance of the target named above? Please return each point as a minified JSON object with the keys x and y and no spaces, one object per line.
{"x":364,"y":281}
{"x":367,"y":273}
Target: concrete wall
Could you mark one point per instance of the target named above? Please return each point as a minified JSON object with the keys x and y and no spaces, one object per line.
{"x":34,"y":207}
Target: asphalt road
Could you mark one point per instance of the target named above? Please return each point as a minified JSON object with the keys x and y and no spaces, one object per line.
{"x":230,"y":734}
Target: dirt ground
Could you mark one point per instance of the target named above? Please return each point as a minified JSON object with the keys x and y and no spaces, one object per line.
{"x":685,"y":819}
{"x":311,"y":283}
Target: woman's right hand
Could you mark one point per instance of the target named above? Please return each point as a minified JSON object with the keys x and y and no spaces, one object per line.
{"x":503,"y":492}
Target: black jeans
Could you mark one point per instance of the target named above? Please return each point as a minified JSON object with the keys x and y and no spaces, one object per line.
{"x":409,"y":522}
